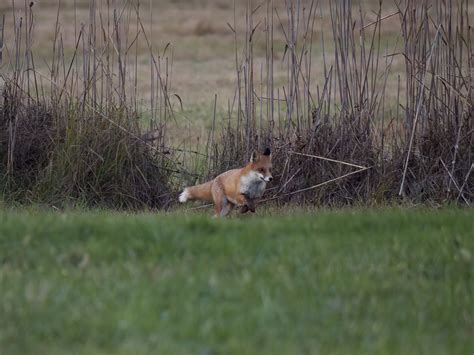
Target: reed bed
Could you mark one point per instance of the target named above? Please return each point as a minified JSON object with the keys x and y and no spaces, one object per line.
{"x":81,"y":135}
{"x":346,"y":142}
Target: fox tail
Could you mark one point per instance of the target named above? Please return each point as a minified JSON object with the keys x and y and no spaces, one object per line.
{"x":198,"y":192}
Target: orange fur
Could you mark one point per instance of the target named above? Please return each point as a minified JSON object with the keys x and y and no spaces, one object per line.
{"x":236,"y":187}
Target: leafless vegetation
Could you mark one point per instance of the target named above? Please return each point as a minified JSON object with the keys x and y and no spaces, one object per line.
{"x":361,"y":133}
{"x":419,"y":147}
{"x":75,"y":135}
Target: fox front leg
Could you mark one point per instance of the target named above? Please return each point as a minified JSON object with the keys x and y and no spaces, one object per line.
{"x":248,"y":204}
{"x":244,"y":209}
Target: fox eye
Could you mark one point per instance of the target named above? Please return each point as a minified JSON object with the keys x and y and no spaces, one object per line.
{"x":261,"y":170}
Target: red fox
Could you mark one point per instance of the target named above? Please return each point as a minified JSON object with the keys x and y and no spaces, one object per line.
{"x":236,"y":187}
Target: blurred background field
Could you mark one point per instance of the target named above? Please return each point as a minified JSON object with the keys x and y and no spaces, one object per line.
{"x":201,"y":44}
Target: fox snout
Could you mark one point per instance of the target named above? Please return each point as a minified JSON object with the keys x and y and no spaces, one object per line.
{"x":268,"y":178}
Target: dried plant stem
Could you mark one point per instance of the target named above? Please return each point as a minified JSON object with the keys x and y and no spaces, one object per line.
{"x":317,"y":185}
{"x":328,"y":159}
{"x":417,"y":115}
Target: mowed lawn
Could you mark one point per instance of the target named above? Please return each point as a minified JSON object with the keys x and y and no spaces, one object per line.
{"x":393,"y":281}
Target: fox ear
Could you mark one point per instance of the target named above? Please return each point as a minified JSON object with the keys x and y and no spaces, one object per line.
{"x":254,"y":156}
{"x":267,"y":152}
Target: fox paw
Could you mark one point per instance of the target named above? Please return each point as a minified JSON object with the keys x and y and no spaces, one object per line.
{"x":246,"y":208}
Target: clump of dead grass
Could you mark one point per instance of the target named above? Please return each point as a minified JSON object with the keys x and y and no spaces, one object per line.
{"x":79,"y":139}
{"x":346,"y":143}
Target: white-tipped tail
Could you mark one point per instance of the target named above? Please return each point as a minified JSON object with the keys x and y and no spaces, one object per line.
{"x":184,"y":195}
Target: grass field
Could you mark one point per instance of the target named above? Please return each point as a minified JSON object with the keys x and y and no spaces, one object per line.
{"x":331,"y":282}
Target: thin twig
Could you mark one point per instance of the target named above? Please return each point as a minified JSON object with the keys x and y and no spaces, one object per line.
{"x":328,"y":159}
{"x":454,"y":181}
{"x":417,"y":115}
{"x":318,"y":185}
{"x":380,"y":20}
{"x":465,"y":181}
{"x":199,"y":207}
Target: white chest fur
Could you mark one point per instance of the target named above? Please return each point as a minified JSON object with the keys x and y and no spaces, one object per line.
{"x":252,"y":185}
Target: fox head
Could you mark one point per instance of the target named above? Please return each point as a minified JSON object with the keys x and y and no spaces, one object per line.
{"x":262,"y":164}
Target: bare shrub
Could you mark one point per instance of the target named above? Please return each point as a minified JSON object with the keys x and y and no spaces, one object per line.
{"x":419,"y":148}
{"x":79,"y":139}
{"x":339,"y":139}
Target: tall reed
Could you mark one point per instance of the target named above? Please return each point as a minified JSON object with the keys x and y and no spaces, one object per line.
{"x":80,"y":134}
{"x":74,"y":135}
{"x":348,"y":131}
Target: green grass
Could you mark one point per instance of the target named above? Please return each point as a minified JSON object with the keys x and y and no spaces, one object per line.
{"x":341,"y":282}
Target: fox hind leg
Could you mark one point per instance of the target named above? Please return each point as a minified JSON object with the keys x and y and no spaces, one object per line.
{"x":222,"y":206}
